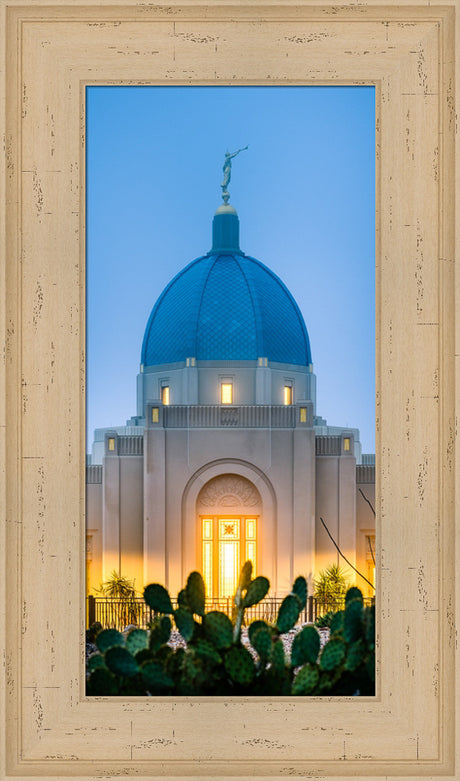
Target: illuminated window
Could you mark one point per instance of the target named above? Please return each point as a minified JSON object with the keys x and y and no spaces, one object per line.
{"x":165,"y":394}
{"x":111,"y":443}
{"x":155,"y":415}
{"x":229,"y":555}
{"x":226,"y":393}
{"x":207,"y":527}
{"x":303,"y":414}
{"x":288,"y":394}
{"x":250,"y":544}
{"x":346,"y":443}
{"x":226,"y":543}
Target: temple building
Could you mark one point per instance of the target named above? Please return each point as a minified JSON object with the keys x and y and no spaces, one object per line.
{"x":226,"y":459}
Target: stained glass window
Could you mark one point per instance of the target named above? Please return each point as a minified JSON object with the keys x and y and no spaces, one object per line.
{"x":226,"y":543}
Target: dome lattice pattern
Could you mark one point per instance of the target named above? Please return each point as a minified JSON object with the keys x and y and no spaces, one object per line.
{"x":226,"y":307}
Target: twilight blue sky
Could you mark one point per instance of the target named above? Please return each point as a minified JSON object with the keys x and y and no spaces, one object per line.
{"x":304,"y":192}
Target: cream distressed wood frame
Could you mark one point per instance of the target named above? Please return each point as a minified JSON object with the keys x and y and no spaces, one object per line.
{"x":53,"y":50}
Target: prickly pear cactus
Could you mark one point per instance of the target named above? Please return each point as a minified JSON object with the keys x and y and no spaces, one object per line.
{"x":353,"y":621}
{"x":240,"y":666}
{"x":305,"y":647}
{"x":160,"y":633}
{"x":195,"y":593}
{"x":355,"y":655}
{"x":214,"y":661}
{"x":262,"y":640}
{"x":108,"y":638}
{"x":306,"y":680}
{"x":332,"y":654}
{"x":353,"y":593}
{"x":218,"y":629}
{"x":155,"y":679}
{"x":184,"y":622}
{"x":300,"y":590}
{"x":137,"y":640}
{"x":158,"y":598}
{"x":120,"y":662}
{"x":245,"y":575}
{"x":256,"y":591}
{"x":288,"y":613}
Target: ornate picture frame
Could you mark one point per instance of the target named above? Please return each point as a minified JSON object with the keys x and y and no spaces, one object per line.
{"x":53,"y":50}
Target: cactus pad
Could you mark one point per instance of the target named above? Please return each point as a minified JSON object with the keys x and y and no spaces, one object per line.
{"x":143,"y":656}
{"x":206,"y":651}
{"x":102,"y":684}
{"x":121,"y":662}
{"x":306,"y":680}
{"x":218,"y":629}
{"x":254,"y":626}
{"x":239,"y":665}
{"x":184,"y":622}
{"x":137,"y":640}
{"x":94,"y":662}
{"x":157,"y":598}
{"x":353,"y":621}
{"x":353,"y":593}
{"x":355,"y":655}
{"x":160,"y":633}
{"x":245,"y":575}
{"x":288,"y":613}
{"x":300,"y":590}
{"x":155,"y":678}
{"x":332,"y":654}
{"x":305,"y":647}
{"x":108,"y":638}
{"x":195,"y":593}
{"x":337,"y":622}
{"x":277,"y":657}
{"x":262,"y":641}
{"x":257,"y":590}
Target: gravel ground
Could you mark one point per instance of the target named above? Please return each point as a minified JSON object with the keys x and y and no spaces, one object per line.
{"x":177,"y":641}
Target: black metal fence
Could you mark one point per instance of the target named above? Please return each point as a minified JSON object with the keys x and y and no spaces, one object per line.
{"x":118,"y":614}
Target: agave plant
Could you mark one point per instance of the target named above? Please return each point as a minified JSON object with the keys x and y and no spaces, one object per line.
{"x":123,"y":590}
{"x":331,"y":586}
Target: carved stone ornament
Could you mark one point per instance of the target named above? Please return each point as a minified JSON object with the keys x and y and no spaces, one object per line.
{"x":229,"y":491}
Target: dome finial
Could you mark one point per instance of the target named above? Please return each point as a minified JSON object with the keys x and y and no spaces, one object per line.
{"x":227,"y":169}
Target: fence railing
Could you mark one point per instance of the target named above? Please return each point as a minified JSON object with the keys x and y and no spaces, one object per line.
{"x":118,"y":614}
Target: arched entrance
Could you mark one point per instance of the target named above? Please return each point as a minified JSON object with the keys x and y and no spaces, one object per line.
{"x":229,"y":515}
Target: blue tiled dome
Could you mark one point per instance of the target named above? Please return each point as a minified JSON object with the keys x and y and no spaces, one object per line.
{"x":226,"y":306}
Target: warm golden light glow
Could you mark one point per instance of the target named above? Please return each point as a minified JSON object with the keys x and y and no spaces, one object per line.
{"x":155,"y":415}
{"x":225,"y":544}
{"x":346,"y":443}
{"x":207,"y":566}
{"x":165,"y":394}
{"x":303,"y":414}
{"x":226,"y":393}
{"x":287,"y":394}
{"x":229,"y":567}
{"x":250,"y":528}
{"x":207,"y":528}
{"x":111,"y":443}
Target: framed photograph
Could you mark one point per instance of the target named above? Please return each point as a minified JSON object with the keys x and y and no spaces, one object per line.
{"x":264,"y":416}
{"x":53,"y":53}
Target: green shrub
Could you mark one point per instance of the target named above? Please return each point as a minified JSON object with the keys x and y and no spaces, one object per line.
{"x":215,"y":661}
